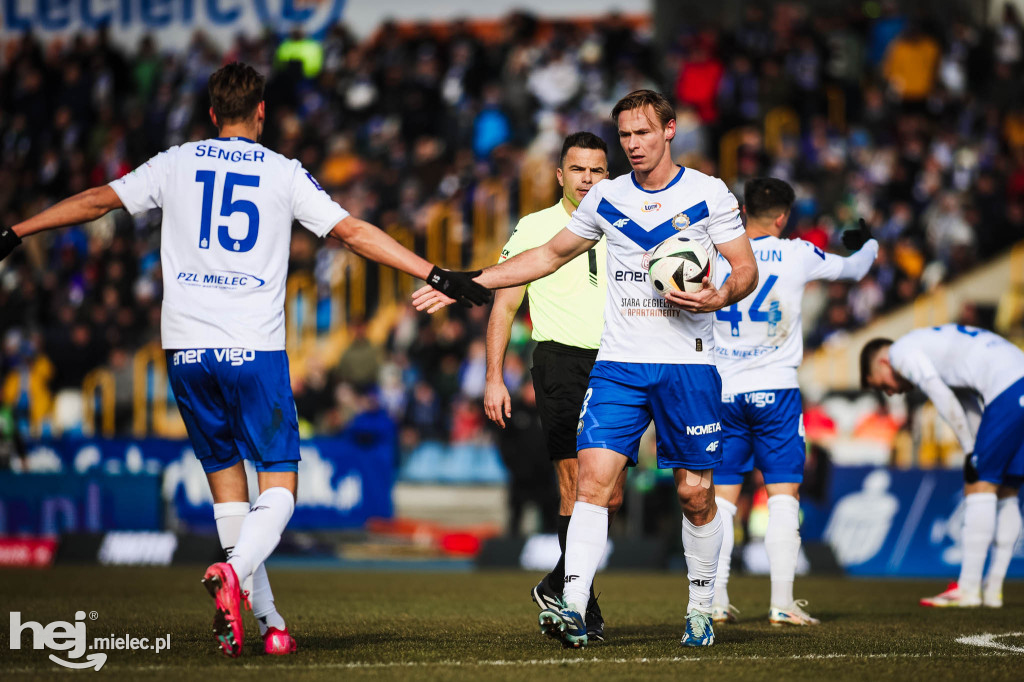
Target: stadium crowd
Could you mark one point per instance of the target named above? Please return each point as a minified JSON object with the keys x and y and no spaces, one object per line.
{"x":917,"y":127}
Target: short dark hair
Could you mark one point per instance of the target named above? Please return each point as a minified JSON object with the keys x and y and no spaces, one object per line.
{"x":236,"y":89}
{"x":867,"y":356}
{"x":639,"y":99}
{"x":767,"y":197}
{"x":581,"y":140}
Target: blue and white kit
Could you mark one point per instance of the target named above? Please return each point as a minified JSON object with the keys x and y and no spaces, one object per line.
{"x":228,"y":208}
{"x":759,"y":346}
{"x":939,"y":359}
{"x":656,"y":361}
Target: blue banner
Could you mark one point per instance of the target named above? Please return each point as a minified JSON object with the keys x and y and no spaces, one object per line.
{"x":172,"y":22}
{"x":51,"y":504}
{"x":343,"y":481}
{"x":883,"y":522}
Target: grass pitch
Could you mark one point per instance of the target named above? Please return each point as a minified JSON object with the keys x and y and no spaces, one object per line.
{"x":422,"y":626}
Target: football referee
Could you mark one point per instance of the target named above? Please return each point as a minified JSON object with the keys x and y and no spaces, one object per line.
{"x":567,"y":309}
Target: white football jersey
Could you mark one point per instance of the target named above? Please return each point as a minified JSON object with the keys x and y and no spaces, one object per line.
{"x":961,"y":357}
{"x":228,"y":207}
{"x":759,"y":341}
{"x":639,"y":324}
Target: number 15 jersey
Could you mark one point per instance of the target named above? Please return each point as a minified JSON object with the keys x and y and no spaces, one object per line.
{"x":228,"y":207}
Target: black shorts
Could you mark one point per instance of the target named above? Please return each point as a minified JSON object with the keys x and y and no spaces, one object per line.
{"x":560,"y":377}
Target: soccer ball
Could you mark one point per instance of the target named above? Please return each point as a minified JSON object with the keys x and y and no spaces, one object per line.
{"x":679,"y":263}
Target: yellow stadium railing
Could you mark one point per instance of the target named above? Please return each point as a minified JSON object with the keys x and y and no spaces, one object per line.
{"x":149,"y":360}
{"x":836,"y":107}
{"x":537,"y":186}
{"x":101,"y":381}
{"x":779,"y":123}
{"x":728,"y":154}
{"x":300,"y":312}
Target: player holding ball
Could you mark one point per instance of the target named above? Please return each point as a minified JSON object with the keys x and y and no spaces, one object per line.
{"x":656,"y":360}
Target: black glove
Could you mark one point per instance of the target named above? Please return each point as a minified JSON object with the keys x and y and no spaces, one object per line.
{"x":971,"y":474}
{"x":460,"y":286}
{"x":8,"y":240}
{"x":855,"y":238}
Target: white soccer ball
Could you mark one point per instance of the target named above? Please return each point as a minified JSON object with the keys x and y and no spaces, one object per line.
{"x":679,"y":263}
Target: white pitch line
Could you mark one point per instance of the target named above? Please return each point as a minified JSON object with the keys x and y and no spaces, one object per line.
{"x":366,"y":665}
{"x":988,"y":641}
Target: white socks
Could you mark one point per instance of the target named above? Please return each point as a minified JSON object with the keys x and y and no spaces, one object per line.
{"x":229,"y":517}
{"x":1008,"y":527}
{"x":979,"y":532}
{"x":726,"y":510}
{"x":258,"y":535}
{"x":701,"y":547}
{"x":782,"y":542}
{"x":584,"y":546}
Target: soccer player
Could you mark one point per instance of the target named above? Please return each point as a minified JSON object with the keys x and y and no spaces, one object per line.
{"x":228,"y":206}
{"x":758,"y":347}
{"x":656,"y":359}
{"x":567,"y":309}
{"x":937,"y":360}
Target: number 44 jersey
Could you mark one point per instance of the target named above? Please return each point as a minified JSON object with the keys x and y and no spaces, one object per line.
{"x":228,"y":207}
{"x":759,"y":340}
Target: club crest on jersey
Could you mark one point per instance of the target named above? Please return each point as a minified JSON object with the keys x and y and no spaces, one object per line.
{"x":650,"y":207}
{"x":680,"y":221}
{"x":645,"y":262}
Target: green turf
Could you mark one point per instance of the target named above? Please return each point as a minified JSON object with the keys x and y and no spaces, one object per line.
{"x":401,"y":626}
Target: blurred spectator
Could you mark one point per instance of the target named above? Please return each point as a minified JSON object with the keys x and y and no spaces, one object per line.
{"x":360,"y":363}
{"x":699,"y":78}
{"x":911,"y":63}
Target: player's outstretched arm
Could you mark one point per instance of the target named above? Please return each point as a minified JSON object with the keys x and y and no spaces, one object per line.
{"x":740,"y":283}
{"x":372,"y":243}
{"x":80,"y":208}
{"x":537,"y":262}
{"x":524,"y":268}
{"x":497,"y":401}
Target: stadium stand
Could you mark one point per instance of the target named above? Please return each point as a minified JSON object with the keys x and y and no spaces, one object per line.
{"x":445,"y":134}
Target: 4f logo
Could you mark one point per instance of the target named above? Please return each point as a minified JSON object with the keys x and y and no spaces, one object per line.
{"x":570,"y":578}
{"x":621,"y":223}
{"x":701,"y":582}
{"x":712,"y":447}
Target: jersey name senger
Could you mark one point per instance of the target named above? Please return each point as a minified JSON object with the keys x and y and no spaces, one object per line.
{"x":961,"y":357}
{"x":759,"y":340}
{"x":228,"y":207}
{"x":639,"y":324}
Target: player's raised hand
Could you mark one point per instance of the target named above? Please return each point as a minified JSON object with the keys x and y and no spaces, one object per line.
{"x":429,"y":299}
{"x":8,"y":241}
{"x":497,"y":402}
{"x":460,"y":286}
{"x":855,"y":238}
{"x":707,"y":300}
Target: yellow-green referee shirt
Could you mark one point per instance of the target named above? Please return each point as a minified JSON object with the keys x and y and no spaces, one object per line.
{"x":567,"y":306}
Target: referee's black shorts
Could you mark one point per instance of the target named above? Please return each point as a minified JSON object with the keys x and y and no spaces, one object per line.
{"x":560,"y":377}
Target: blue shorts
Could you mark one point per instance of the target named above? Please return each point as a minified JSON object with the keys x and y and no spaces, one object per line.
{"x":762,"y":429}
{"x":1000,"y":443}
{"x":683,"y":401}
{"x":236,"y":404}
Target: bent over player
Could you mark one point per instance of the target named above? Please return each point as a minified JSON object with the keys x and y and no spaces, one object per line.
{"x":758,"y":347}
{"x":566,"y":308}
{"x":656,"y":360}
{"x":937,"y":360}
{"x":228,"y":206}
